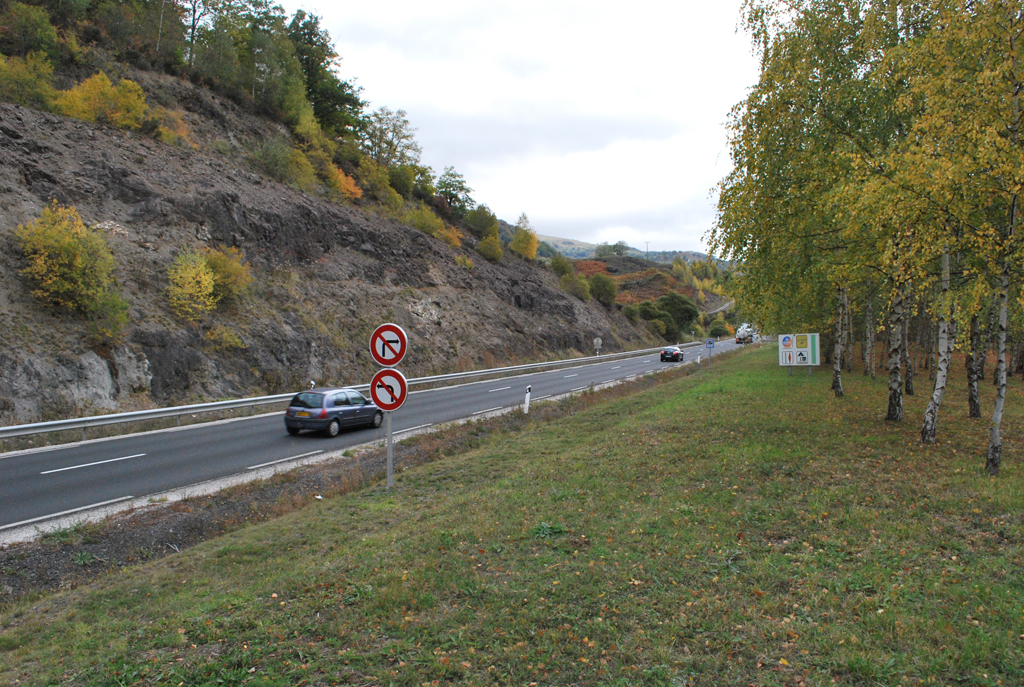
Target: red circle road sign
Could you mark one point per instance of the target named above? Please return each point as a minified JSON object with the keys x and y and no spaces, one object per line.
{"x":388,"y":344}
{"x":388,"y":389}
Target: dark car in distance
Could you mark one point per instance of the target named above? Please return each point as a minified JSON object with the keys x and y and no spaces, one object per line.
{"x":330,"y":410}
{"x":672,"y":353}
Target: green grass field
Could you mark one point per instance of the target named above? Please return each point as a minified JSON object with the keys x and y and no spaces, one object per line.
{"x":737,"y":526}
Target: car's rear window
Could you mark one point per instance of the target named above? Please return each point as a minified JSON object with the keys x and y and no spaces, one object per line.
{"x":308,"y":400}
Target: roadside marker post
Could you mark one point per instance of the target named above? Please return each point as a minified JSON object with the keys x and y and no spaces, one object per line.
{"x":526,"y":406}
{"x":709,"y":344}
{"x":389,"y":388}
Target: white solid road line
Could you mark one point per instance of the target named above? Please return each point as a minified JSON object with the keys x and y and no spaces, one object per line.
{"x":399,"y":431}
{"x":283,"y":460}
{"x":89,"y":465}
{"x":501,"y":389}
{"x":63,"y":513}
{"x":567,"y":376}
{"x":486,"y":411}
{"x":541,"y":397}
{"x":578,"y":388}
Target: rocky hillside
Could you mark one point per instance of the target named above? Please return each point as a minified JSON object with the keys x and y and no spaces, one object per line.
{"x":325,"y":274}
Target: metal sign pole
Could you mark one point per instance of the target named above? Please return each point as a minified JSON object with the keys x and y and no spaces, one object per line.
{"x":391,"y":452}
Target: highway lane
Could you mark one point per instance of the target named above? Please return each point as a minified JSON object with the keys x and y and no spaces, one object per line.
{"x":66,"y":478}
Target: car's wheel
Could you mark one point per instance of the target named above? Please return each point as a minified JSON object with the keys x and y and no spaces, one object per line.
{"x":333,"y":429}
{"x":378,"y":418}
{"x":293,"y":430}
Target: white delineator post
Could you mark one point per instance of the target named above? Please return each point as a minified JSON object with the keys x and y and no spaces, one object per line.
{"x":526,"y":404}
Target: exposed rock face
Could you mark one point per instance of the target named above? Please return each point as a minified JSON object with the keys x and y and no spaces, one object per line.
{"x":324,"y":276}
{"x":44,"y":388}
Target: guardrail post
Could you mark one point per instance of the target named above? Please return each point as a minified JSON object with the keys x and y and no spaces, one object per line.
{"x":83,"y":433}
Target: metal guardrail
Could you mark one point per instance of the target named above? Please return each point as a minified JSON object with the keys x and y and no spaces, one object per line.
{"x":181,"y":411}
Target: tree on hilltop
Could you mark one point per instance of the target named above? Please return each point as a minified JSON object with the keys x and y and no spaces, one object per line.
{"x":524,"y":242}
{"x":603,"y":250}
{"x":336,"y":103}
{"x":389,"y":139}
{"x":452,"y":187}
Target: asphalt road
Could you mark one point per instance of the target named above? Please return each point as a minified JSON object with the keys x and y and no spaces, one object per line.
{"x":38,"y":485}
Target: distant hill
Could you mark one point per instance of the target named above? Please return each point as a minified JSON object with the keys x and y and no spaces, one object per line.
{"x":577,"y":250}
{"x":581,"y":250}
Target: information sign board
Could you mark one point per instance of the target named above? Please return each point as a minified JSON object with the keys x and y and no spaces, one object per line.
{"x":799,"y":349}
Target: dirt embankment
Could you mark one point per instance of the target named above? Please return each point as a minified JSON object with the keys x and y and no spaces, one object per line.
{"x":324,"y":274}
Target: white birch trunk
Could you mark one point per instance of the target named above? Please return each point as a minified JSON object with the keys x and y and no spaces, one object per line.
{"x":895,"y":411}
{"x":872,"y":337}
{"x":848,"y":333}
{"x":869,"y":337}
{"x":973,"y":404}
{"x":995,"y":441}
{"x":908,"y":383}
{"x":931,"y":416}
{"x":837,"y":346}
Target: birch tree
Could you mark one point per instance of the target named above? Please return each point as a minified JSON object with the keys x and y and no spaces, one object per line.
{"x":946,"y":343}
{"x":970,"y":78}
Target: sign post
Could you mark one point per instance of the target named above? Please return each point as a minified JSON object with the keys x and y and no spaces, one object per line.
{"x":597,"y":345}
{"x":389,"y":388}
{"x":709,"y":344}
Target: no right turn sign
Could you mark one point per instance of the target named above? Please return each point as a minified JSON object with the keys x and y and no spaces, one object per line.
{"x":388,"y":344}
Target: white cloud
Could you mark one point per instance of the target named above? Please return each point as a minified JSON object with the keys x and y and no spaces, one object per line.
{"x":588,"y":116}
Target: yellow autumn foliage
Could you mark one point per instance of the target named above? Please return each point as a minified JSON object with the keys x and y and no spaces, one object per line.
{"x":70,"y":264}
{"x":191,"y":289}
{"x":98,"y":100}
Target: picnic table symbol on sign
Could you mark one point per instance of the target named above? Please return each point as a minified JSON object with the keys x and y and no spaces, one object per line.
{"x":389,"y":389}
{"x":388,"y":344}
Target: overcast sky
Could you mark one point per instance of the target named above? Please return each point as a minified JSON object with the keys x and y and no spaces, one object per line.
{"x":601,"y":121}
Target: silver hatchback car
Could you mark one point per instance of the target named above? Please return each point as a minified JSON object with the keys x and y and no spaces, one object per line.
{"x":330,"y":410}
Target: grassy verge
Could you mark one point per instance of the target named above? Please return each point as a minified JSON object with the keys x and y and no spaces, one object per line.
{"x":736,"y":526}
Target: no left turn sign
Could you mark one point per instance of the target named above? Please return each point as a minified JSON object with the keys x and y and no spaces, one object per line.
{"x":388,"y":345}
{"x":388,"y":389}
